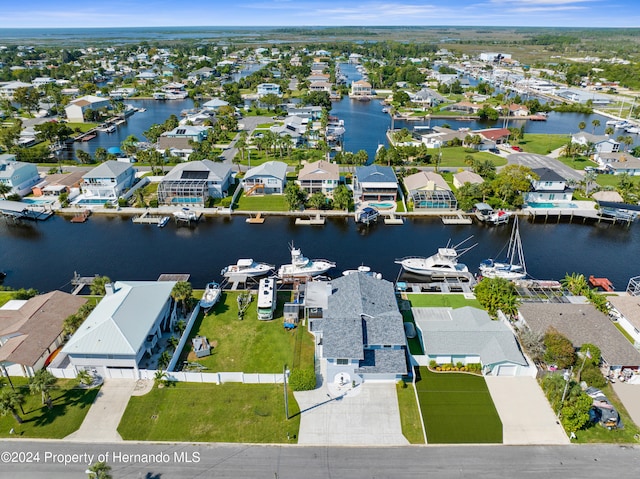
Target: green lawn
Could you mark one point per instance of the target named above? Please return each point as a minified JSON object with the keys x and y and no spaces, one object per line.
{"x":262,"y":203}
{"x":5,"y":296}
{"x":599,"y":434}
{"x":457,"y":408}
{"x":250,"y":345}
{"x":542,"y":144}
{"x":624,"y":333}
{"x":577,"y":163}
{"x":409,"y":413}
{"x":432,"y":300}
{"x":455,"y":157}
{"x":194,"y":412}
{"x":84,"y":127}
{"x":70,"y":406}
{"x":613,"y":180}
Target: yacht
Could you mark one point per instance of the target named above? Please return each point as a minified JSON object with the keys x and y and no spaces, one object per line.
{"x":211,"y":295}
{"x":443,"y":263}
{"x":303,"y":267}
{"x":514,"y":266}
{"x":107,"y":128}
{"x":247,"y":267}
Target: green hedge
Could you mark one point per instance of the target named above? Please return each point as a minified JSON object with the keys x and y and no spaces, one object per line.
{"x":302,"y":379}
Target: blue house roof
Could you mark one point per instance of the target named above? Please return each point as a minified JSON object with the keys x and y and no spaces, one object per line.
{"x":375,"y":174}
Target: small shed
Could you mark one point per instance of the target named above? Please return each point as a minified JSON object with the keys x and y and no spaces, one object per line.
{"x":201,"y":346}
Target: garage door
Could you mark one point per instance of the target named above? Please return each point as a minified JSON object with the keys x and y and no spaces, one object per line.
{"x":506,"y":370}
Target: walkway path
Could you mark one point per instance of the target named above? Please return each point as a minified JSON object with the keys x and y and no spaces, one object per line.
{"x":101,"y":422}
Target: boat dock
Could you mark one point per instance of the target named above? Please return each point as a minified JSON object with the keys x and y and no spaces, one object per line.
{"x":603,"y":283}
{"x":17,"y":210}
{"x":457,"y":219}
{"x":448,"y":285}
{"x":79,"y":282}
{"x":393,"y":220}
{"x":147,"y":218}
{"x":314,"y":221}
{"x":81,"y":217}
{"x":255,"y":220}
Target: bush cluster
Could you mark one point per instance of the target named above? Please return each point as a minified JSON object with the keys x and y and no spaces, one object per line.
{"x":302,"y":379}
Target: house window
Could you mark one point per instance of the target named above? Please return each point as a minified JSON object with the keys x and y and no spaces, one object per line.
{"x":342,"y":362}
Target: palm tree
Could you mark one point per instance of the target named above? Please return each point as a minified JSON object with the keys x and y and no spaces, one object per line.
{"x":595,"y":124}
{"x":10,"y":402}
{"x":181,"y":293}
{"x":609,"y":130}
{"x":43,"y":382}
{"x":99,"y":470}
{"x":589,"y":177}
{"x":582,"y":125}
{"x":174,"y":341}
{"x":97,"y":288}
{"x":576,"y":283}
{"x":164,"y":360}
{"x":5,"y":189}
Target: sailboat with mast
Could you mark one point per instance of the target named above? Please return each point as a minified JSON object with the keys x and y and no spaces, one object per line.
{"x":514,"y":267}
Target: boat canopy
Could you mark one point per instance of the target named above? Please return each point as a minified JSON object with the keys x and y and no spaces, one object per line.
{"x":245,"y":262}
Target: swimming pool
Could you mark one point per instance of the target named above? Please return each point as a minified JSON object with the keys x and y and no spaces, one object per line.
{"x":533,"y":204}
{"x":92,"y":201}
{"x":38,"y":201}
{"x":186,"y":200}
{"x":386,"y":205}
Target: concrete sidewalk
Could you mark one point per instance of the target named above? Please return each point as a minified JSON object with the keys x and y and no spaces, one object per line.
{"x":524,"y":411}
{"x":101,"y":422}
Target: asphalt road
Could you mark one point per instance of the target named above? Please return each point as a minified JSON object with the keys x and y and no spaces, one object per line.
{"x":31,"y":459}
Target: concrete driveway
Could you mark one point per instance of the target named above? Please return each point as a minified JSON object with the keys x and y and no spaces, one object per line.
{"x":534,"y":161}
{"x":629,"y":394}
{"x":526,"y":415}
{"x":368,"y":415}
{"x":101,"y":422}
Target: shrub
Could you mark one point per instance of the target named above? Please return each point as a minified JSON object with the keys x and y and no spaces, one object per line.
{"x":302,"y":379}
{"x":122,"y":202}
{"x":433,"y":364}
{"x":225,"y":202}
{"x":153,"y":203}
{"x":459,"y":365}
{"x":592,"y":376}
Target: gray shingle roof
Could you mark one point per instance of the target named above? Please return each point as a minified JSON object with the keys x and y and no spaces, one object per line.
{"x":465,"y":332}
{"x":383,"y":361}
{"x":216,"y":171}
{"x":108,"y":169}
{"x":277,"y":169}
{"x":582,"y":323}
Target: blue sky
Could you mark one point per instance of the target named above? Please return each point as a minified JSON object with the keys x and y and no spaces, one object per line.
{"x":109,"y":13}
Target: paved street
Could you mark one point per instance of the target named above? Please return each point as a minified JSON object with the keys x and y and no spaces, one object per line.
{"x":539,"y":161}
{"x":238,"y":461}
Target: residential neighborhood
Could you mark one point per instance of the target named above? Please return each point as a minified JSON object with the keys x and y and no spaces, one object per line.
{"x":320,"y":241}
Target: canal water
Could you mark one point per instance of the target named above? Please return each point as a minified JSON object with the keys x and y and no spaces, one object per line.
{"x":45,"y":255}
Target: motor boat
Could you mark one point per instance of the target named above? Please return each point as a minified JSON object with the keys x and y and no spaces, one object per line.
{"x":514,"y":267}
{"x":363,"y":269}
{"x":487,"y":214}
{"x":247,"y":267}
{"x":303,"y":267}
{"x":211,"y":295}
{"x":443,"y":263}
{"x":163,"y":221}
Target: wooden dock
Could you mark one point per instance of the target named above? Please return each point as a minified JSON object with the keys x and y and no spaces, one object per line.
{"x":147,"y":219}
{"x":317,"y":220}
{"x":393,"y":220}
{"x":255,"y":220}
{"x":81,"y":217}
{"x":457,"y":219}
{"x":603,"y":283}
{"x":79,"y":282}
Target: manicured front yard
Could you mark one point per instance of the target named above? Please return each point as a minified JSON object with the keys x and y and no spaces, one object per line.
{"x":455,"y":157}
{"x":409,"y":413}
{"x":441,"y":301}
{"x":541,"y":144}
{"x":230,"y":412}
{"x":262,"y":203}
{"x":250,"y":345}
{"x":577,"y":163}
{"x":613,"y":180}
{"x":70,"y":406}
{"x":457,"y":408}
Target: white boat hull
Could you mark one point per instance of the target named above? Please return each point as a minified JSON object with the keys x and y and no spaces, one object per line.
{"x":211,"y":295}
{"x":258,"y":269}
{"x":316,"y":268}
{"x":419,"y":266}
{"x":503,"y":270}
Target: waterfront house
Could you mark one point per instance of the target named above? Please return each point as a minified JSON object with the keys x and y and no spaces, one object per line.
{"x":469,"y":336}
{"x":549,"y":187}
{"x":429,"y":190}
{"x":426,"y":97}
{"x":581,"y":324}
{"x":124,"y":328}
{"x":179,"y":141}
{"x":464,"y":107}
{"x":108,"y":181}
{"x":319,"y":176}
{"x":494,"y":136}
{"x":54,"y":185}
{"x":17,"y":175}
{"x":375,"y":183}
{"x":463,"y":177}
{"x":76,"y":109}
{"x":626,"y":164}
{"x":268,"y":178}
{"x":437,"y":137}
{"x":360,"y":89}
{"x":309,"y":112}
{"x":215,"y":104}
{"x":598,"y":143}
{"x":268,"y":89}
{"x":193,"y":182}
{"x":31,"y":330}
{"x":358,"y":329}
